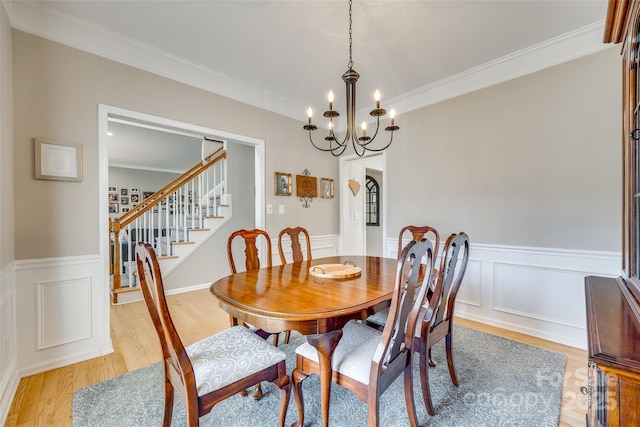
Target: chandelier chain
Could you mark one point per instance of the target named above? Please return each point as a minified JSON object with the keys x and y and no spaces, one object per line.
{"x":350,"y":38}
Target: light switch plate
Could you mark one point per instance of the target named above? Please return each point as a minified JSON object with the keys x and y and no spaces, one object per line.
{"x":269,"y":209}
{"x":281,"y":209}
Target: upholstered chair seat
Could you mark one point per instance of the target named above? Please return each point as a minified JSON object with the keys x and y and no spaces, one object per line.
{"x":229,"y":356}
{"x":352,"y":357}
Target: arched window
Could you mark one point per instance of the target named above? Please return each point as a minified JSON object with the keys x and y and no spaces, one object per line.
{"x":373,"y":201}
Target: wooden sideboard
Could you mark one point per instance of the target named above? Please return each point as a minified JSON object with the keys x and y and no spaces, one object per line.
{"x":613,"y":328}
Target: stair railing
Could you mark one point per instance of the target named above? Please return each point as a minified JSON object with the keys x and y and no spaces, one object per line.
{"x":165,"y":218}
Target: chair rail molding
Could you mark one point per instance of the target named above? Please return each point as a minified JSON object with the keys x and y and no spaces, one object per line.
{"x":531,"y":290}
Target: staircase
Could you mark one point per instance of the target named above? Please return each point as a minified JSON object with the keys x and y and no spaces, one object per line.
{"x":175,"y":220}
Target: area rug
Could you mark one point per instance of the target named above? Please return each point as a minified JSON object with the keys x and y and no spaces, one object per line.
{"x":502,"y":383}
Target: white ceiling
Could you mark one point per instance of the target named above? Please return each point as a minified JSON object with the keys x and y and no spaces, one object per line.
{"x":286,"y":55}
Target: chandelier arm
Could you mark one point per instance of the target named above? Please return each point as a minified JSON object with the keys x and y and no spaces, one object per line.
{"x":344,"y":142}
{"x":383,"y":148}
{"x":374,"y":134}
{"x":320,"y":148}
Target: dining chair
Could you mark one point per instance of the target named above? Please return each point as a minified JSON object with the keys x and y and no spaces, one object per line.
{"x":296,"y":249}
{"x":367,"y":361}
{"x":378,"y":320}
{"x":437,"y":322}
{"x":210,"y":370}
{"x":252,"y":262}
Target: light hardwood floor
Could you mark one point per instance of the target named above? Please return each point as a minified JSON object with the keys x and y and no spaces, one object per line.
{"x":45,"y":399}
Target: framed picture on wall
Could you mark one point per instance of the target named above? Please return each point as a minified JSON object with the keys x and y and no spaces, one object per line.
{"x":114,"y":208}
{"x":146,"y":194}
{"x":113,"y":189}
{"x":134,"y":198}
{"x":124,"y":192}
{"x":113,"y":197}
{"x":326,"y":186}
{"x":57,"y":160}
{"x":282,"y":183}
{"x":124,"y":200}
{"x":135,"y":190}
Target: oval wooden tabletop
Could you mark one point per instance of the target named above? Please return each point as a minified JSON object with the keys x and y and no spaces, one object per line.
{"x":289,"y":297}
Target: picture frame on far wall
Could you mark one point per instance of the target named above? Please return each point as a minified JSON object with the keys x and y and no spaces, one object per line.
{"x":57,"y":160}
{"x":326,"y":187}
{"x":113,"y":189}
{"x":282,"y":184}
{"x":134,"y":198}
{"x":114,"y":208}
{"x":306,"y":186}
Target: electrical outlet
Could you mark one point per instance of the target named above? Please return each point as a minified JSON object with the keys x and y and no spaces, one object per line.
{"x":269,"y":209}
{"x":280,"y":209}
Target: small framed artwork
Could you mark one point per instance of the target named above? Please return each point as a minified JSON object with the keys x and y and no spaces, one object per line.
{"x":114,"y":208}
{"x":58,"y":161}
{"x":306,"y":186}
{"x":146,"y":194}
{"x":326,"y":184}
{"x":135,"y":190}
{"x":134,"y":198}
{"x":113,"y":189}
{"x":113,"y":197}
{"x":124,"y":192}
{"x":125,"y":210}
{"x":282,"y":184}
{"x":124,"y":200}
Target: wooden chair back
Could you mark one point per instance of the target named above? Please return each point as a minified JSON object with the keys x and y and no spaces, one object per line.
{"x":296,"y":249}
{"x":405,"y":306}
{"x":177,"y":364}
{"x":387,"y":354}
{"x":252,"y":258}
{"x":437,"y":322}
{"x":456,"y":251}
{"x":417,"y":233}
{"x":252,"y":262}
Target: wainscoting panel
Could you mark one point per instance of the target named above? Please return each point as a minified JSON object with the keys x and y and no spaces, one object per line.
{"x":535,"y":291}
{"x":522,"y":290}
{"x":62,"y":312}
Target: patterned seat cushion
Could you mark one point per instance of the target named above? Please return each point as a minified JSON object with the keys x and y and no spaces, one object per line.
{"x":229,"y":356}
{"x":354,"y":353}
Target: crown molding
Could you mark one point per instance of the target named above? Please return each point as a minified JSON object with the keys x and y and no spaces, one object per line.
{"x":567,"y":47}
{"x":44,"y":21}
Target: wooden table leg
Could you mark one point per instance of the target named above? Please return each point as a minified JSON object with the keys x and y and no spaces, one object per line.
{"x":325,"y":344}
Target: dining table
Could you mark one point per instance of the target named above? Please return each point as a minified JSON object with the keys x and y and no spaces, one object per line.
{"x":297,"y":297}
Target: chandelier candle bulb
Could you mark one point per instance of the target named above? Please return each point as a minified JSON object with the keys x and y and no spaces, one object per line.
{"x":376,"y":96}
{"x":364,"y":128}
{"x":330,"y":100}
{"x":310,"y":114}
{"x":392,"y":115}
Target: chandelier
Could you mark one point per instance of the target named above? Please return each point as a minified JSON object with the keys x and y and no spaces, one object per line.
{"x":360,"y":143}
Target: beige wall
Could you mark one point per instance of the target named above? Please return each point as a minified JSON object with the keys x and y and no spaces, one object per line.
{"x":7,"y":253}
{"x":57,"y":92}
{"x":534,"y":161}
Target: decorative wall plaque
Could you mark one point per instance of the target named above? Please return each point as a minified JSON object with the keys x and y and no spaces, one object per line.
{"x":306,"y":187}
